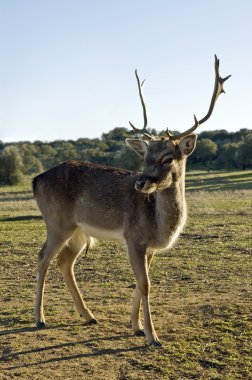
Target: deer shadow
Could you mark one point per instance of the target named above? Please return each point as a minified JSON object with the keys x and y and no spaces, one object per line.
{"x":21,"y":218}
{"x":89,"y":343}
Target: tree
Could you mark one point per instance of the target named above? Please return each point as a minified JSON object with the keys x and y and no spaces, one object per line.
{"x":227,"y":156}
{"x":205,"y":152}
{"x":220,"y":136}
{"x":244,"y":154}
{"x":66,"y":151}
{"x":31,"y":164}
{"x":115,"y":138}
{"x":47,"y":155}
{"x":126,"y":158}
{"x":11,"y":166}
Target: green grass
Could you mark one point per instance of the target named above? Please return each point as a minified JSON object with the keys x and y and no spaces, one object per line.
{"x":215,"y":181}
{"x":200,"y":295}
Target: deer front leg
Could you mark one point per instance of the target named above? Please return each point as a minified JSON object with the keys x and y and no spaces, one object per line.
{"x":135,"y":315}
{"x":139,"y":263}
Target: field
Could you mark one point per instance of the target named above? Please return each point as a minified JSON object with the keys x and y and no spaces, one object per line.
{"x":200,"y":295}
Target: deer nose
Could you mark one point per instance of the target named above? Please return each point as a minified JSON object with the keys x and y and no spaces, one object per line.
{"x":140,"y":184}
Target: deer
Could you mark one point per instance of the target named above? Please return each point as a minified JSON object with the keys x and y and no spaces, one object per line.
{"x":82,"y":201}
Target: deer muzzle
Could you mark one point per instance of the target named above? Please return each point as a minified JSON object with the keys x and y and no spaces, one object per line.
{"x":145,"y":184}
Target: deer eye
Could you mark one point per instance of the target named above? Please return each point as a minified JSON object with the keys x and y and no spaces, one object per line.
{"x":167,"y":160}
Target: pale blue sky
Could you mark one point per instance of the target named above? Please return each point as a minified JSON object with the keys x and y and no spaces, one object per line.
{"x":67,"y":66}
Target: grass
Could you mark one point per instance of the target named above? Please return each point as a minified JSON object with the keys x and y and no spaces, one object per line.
{"x":200,"y":296}
{"x":215,"y":181}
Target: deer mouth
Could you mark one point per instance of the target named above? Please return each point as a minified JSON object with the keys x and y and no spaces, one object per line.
{"x":145,"y":186}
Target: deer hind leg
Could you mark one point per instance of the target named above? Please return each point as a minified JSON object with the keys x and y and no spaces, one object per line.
{"x":50,"y":248}
{"x":139,"y":262}
{"x":135,"y":315}
{"x":66,"y":260}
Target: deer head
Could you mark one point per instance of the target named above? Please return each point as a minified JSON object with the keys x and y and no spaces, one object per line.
{"x":164,"y":157}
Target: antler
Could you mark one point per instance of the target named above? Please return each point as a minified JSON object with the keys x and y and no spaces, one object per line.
{"x":218,"y":89}
{"x":144,"y":130}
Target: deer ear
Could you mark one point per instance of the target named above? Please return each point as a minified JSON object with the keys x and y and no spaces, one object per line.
{"x":188,"y":144}
{"x":139,"y":146}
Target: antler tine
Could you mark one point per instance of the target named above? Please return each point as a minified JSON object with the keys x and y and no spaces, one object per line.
{"x":144,"y":130}
{"x":169,"y":134}
{"x":186,"y":133}
{"x":218,"y":89}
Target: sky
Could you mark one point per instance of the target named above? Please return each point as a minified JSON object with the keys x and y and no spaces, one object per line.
{"x":67,"y":66}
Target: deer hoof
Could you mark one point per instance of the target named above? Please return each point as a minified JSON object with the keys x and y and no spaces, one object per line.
{"x":139,"y":332}
{"x":41,"y":325}
{"x":156,"y":343}
{"x":92,"y":321}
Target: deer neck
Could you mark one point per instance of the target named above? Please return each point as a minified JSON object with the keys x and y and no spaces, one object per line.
{"x":171,"y":208}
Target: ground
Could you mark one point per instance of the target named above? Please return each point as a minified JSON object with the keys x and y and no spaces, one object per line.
{"x":200,"y":295}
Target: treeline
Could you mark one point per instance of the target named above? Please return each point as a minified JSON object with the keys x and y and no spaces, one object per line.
{"x":215,"y":150}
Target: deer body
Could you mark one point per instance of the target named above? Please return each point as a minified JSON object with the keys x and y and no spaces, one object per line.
{"x":81,"y":201}
{"x":158,"y":216}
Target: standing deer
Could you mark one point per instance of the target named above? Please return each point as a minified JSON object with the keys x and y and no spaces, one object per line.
{"x":80,"y":201}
